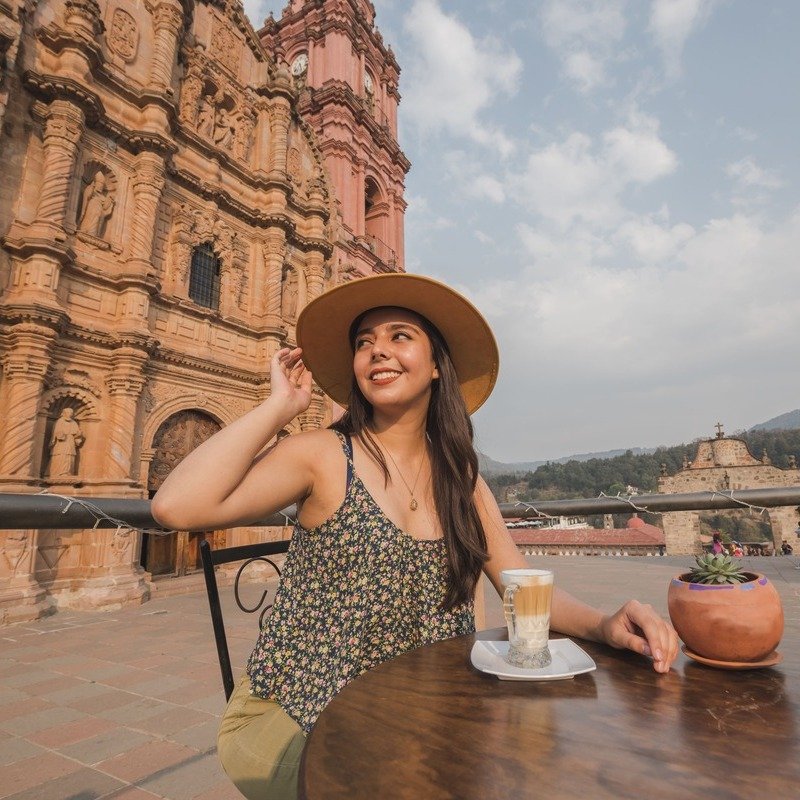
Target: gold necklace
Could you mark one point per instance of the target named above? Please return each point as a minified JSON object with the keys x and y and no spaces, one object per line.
{"x":413,"y":505}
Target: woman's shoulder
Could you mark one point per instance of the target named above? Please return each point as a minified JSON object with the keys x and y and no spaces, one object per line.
{"x":314,"y":446}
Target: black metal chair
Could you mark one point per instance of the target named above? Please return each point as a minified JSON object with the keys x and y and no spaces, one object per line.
{"x":248,"y":554}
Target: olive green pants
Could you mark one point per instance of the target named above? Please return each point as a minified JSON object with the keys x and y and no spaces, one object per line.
{"x":260,"y":746}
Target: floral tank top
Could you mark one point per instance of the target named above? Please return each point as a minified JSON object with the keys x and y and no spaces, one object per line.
{"x":355,"y":591}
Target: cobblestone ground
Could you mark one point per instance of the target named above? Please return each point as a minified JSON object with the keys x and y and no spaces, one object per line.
{"x":126,"y":704}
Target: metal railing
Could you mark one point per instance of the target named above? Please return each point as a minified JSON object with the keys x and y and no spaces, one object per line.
{"x":44,"y":511}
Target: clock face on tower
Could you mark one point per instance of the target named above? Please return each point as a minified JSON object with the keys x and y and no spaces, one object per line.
{"x":368,"y":82}
{"x":300,"y":64}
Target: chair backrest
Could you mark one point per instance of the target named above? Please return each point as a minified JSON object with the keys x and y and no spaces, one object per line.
{"x":212,"y":558}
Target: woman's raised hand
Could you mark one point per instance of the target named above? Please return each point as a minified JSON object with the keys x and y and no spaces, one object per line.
{"x":290,"y":381}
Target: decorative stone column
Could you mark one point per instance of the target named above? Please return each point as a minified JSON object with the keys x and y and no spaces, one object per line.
{"x":315,"y":273}
{"x":274,"y":255}
{"x":148,"y":184}
{"x":63,"y":129}
{"x":262,"y":137}
{"x":28,"y":356}
{"x":280,"y":117}
{"x":108,"y":574}
{"x":25,"y":365}
{"x":125,"y":384}
{"x":167,"y":21}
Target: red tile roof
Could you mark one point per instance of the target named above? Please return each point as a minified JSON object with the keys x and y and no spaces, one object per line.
{"x":638,"y":533}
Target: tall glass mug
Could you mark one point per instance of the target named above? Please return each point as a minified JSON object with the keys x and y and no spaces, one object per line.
{"x":526,"y":602}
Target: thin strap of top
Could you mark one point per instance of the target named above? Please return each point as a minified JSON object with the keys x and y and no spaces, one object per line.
{"x":347,"y":446}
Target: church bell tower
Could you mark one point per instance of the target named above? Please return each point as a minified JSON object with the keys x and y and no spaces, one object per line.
{"x":347,"y":80}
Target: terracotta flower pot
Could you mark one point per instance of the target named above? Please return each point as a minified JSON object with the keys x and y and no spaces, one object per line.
{"x":731,"y":622}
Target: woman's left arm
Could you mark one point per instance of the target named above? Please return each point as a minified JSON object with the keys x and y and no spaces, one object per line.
{"x":636,"y":626}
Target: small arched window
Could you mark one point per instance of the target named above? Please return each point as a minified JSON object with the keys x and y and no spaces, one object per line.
{"x":204,"y":277}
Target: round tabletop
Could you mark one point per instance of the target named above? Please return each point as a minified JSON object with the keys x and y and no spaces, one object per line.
{"x":429,"y":725}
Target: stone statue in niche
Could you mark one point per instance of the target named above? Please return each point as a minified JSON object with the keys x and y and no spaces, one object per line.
{"x":205,"y":117}
{"x":223,"y":129}
{"x":98,"y":205}
{"x":289,"y":294}
{"x":65,"y":441}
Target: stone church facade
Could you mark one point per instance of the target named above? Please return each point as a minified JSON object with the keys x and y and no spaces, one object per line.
{"x":176,"y":187}
{"x":725,"y":464}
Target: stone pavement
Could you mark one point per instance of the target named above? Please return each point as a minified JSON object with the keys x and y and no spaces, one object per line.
{"x":126,"y":704}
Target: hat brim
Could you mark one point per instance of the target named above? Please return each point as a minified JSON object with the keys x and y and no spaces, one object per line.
{"x":324,"y":324}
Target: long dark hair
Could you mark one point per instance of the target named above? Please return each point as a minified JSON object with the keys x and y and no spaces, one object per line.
{"x":454,"y":466}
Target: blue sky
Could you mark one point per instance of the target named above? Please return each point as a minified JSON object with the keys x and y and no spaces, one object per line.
{"x":615,"y":184}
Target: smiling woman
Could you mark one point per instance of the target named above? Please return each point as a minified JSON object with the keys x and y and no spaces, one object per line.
{"x":394,"y":526}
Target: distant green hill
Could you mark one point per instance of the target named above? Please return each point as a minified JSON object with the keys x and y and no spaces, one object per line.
{"x":787,"y":421}
{"x":641,"y":470}
{"x":489,"y":466}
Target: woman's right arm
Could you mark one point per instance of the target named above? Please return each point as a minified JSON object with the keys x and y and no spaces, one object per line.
{"x":225,"y":482}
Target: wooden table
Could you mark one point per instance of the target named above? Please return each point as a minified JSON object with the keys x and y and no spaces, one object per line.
{"x":427,"y":726}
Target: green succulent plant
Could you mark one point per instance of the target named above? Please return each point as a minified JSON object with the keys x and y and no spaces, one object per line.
{"x":719,"y":568}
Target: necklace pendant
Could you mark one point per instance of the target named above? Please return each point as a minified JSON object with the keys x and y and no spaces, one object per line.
{"x":413,"y":505}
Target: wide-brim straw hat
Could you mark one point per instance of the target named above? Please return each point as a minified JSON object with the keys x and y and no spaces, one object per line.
{"x":323,"y":329}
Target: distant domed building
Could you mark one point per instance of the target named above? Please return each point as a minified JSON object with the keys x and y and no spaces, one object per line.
{"x":176,"y":187}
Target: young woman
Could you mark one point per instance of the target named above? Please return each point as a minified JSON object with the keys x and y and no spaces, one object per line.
{"x":394,"y":525}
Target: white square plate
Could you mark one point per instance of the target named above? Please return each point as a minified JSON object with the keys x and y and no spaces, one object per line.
{"x":568,"y":661}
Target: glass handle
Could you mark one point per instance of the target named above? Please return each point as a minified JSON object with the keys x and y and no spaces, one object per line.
{"x":508,"y":610}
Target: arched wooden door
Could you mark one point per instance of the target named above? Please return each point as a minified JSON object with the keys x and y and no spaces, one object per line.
{"x":177,"y":553}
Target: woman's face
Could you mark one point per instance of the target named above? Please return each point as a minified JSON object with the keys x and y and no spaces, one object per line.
{"x":393,"y":359}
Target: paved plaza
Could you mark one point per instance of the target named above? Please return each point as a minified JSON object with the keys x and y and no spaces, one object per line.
{"x":126,"y":704}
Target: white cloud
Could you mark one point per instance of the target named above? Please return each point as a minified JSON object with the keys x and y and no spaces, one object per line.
{"x":483,"y":238}
{"x":672,"y":22}
{"x":452,"y":77}
{"x":488,"y":187}
{"x":581,"y":179}
{"x":421,"y":217}
{"x":748,"y":174}
{"x":585,"y":34}
{"x":587,"y":339}
{"x":651,"y":243}
{"x":471,"y":178}
{"x":745,"y":134}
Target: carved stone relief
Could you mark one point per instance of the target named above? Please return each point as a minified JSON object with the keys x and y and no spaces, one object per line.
{"x":225,"y":45}
{"x":293,"y":163}
{"x":70,"y":378}
{"x":216,"y":107}
{"x":14,"y":548}
{"x":123,"y":35}
{"x":243,"y":135}
{"x":191,"y":91}
{"x":121,"y":546}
